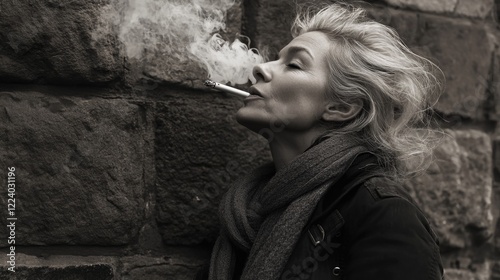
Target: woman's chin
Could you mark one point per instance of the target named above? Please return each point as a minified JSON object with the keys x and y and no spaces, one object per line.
{"x":249,"y":120}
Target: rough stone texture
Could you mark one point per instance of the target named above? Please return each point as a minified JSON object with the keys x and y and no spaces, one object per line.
{"x":437,"y":6}
{"x":496,"y":196}
{"x":495,"y":271}
{"x":80,"y":272}
{"x":166,"y":62}
{"x":459,"y":274}
{"x":60,"y":268}
{"x":475,"y":8}
{"x":160,"y":272}
{"x":477,"y":272}
{"x":192,"y":178}
{"x":80,"y":167}
{"x":469,"y":8}
{"x":268,"y":22}
{"x":494,"y":87}
{"x":456,"y":190}
{"x":405,"y":23}
{"x":452,"y":45}
{"x":51,"y":42}
{"x":496,"y":238}
{"x":497,"y":4}
{"x":496,"y":160}
{"x":154,"y":268}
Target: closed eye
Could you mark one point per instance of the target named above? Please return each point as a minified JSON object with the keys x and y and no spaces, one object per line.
{"x":293,"y":65}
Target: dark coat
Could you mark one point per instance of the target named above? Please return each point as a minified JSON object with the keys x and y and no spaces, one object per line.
{"x":369,"y":228}
{"x":366,"y":227}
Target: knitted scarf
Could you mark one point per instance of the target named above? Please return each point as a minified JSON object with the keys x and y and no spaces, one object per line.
{"x":264,"y":213}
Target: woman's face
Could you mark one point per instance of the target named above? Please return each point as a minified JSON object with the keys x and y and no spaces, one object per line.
{"x":290,"y":92}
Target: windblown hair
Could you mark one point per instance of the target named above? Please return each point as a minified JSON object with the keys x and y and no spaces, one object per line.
{"x":368,"y":61}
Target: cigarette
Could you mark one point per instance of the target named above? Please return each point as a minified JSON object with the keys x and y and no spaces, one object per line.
{"x":224,"y":88}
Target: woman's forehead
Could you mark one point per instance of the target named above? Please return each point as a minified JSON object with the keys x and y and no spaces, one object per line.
{"x":314,"y":42}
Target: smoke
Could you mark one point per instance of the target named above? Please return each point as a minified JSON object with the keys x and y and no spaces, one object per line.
{"x":184,"y":30}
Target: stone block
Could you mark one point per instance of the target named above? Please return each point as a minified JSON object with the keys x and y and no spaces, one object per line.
{"x":80,"y":167}
{"x":453,"y":45}
{"x":200,"y":149}
{"x":496,"y":159}
{"x":405,"y":23}
{"x":458,"y":274}
{"x":155,"y":53}
{"x":482,"y":273}
{"x":455,"y":192}
{"x":268,"y":24}
{"x":495,"y":271}
{"x":60,"y":268}
{"x":79,"y":272}
{"x":153,"y":268}
{"x":436,"y":6}
{"x":468,"y":8}
{"x":497,"y":4}
{"x":495,"y":88}
{"x":52,"y":42}
{"x":474,"y":8}
{"x":496,"y":239}
{"x":160,"y":272}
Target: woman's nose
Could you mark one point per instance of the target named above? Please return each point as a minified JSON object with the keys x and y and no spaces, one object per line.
{"x":262,"y":72}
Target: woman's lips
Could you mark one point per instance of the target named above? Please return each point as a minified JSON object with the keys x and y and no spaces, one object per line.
{"x":252,"y":97}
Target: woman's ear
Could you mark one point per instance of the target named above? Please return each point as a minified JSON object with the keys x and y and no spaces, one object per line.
{"x":339,"y":112}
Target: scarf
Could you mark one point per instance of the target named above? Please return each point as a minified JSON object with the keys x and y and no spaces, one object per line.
{"x":264,"y":213}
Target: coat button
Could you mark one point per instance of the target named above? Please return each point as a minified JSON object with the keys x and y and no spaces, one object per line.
{"x":336,"y":271}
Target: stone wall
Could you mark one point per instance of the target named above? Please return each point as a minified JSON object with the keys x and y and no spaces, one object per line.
{"x":118,"y":171}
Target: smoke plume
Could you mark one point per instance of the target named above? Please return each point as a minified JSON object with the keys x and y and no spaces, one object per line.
{"x":184,"y":29}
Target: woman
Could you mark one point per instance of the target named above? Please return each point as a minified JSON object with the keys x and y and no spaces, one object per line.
{"x":340,"y":108}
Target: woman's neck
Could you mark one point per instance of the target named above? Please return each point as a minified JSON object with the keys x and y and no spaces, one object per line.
{"x":287,"y":145}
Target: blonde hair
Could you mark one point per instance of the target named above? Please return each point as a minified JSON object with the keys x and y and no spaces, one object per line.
{"x":368,"y":61}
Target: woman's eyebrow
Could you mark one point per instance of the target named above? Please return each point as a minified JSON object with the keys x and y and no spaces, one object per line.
{"x":296,"y":49}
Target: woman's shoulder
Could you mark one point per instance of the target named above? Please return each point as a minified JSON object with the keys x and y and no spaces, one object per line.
{"x":382,"y":204}
{"x":382,"y":233}
{"x":376,"y":202}
{"x":384,"y":195}
{"x":357,"y":195}
{"x":383,"y":224}
{"x":381,"y":187}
